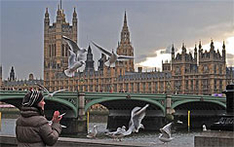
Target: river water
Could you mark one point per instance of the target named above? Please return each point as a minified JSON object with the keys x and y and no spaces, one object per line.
{"x":181,"y":138}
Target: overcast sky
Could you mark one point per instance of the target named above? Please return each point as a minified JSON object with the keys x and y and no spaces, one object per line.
{"x":154,"y":25}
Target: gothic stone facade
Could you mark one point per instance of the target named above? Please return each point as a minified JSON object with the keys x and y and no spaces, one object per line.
{"x":203,"y":73}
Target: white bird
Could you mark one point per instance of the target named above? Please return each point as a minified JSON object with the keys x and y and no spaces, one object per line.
{"x":118,"y":134}
{"x":204,"y":127}
{"x":113,"y":56}
{"x":73,"y":64}
{"x":93,"y":132}
{"x":47,"y":91}
{"x":165,"y":135}
{"x":80,"y":53}
{"x":179,"y":122}
{"x":137,"y":116}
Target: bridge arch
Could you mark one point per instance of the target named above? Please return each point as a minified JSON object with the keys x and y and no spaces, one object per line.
{"x":178,"y":103}
{"x":62,"y":102}
{"x":102,"y":100}
{"x":16,"y":101}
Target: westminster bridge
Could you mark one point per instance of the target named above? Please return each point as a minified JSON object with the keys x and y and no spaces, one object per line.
{"x":203,"y":109}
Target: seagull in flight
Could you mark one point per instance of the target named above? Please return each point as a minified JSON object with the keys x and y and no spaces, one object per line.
{"x":113,"y":56}
{"x":76,"y":58}
{"x":137,"y":116}
{"x":93,"y":132}
{"x":80,"y":53}
{"x":47,"y":91}
{"x":165,"y":135}
{"x":73,"y":64}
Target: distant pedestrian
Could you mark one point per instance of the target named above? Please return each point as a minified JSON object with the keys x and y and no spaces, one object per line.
{"x":32,"y":128}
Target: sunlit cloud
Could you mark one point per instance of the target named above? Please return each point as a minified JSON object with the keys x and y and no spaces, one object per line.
{"x":156,"y":61}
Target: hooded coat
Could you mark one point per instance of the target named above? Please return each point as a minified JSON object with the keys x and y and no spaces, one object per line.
{"x":33,"y":129}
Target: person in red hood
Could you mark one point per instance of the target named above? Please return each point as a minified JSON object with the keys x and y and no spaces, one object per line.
{"x":32,"y":128}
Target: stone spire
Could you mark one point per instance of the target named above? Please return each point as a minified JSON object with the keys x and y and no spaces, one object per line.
{"x":47,"y":18}
{"x":125,"y":19}
{"x":200,"y":46}
{"x":224,"y":52}
{"x":183,"y":48}
{"x":172,"y":52}
{"x":125,"y":34}
{"x":89,"y":61}
{"x":74,"y":13}
{"x":212,"y":45}
{"x":195,"y":53}
{"x":12,"y":74}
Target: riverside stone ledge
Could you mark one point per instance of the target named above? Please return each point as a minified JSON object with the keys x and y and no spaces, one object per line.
{"x":214,"y":139}
{"x":10,"y":141}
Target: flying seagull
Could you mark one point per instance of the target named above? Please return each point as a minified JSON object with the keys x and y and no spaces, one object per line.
{"x":113,"y":56}
{"x":76,"y":58}
{"x":137,"y":116}
{"x":47,"y":91}
{"x":93,"y":132}
{"x":80,"y":53}
{"x":165,"y":135}
{"x":73,"y":64}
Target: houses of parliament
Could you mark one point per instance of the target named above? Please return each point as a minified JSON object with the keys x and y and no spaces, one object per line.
{"x":203,"y":72}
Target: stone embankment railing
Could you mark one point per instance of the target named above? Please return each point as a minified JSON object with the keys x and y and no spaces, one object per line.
{"x":10,"y":141}
{"x":214,"y":139}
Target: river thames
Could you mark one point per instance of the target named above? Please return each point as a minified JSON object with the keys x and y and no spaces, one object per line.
{"x":181,"y":138}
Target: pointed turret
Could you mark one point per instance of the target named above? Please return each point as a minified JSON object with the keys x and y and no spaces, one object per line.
{"x":200,"y":49}
{"x":195,"y":53}
{"x":224,"y":52}
{"x":74,"y":18}
{"x":125,"y":19}
{"x":89,"y":61}
{"x":47,"y":13}
{"x":59,"y":15}
{"x":183,"y":48}
{"x":200,"y":46}
{"x":125,"y":47}
{"x":172,"y":52}
{"x":47,"y":18}
{"x":212,"y":45}
{"x":125,"y":35}
{"x":74,"y":13}
{"x":74,"y":24}
{"x":12,"y":74}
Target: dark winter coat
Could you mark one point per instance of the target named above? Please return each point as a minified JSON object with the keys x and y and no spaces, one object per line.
{"x":33,"y":129}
